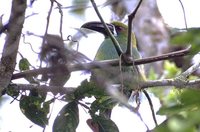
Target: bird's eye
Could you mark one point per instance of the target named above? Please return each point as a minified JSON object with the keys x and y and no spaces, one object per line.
{"x":119,"y":29}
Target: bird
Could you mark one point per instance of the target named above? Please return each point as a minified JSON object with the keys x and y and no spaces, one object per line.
{"x":57,"y":55}
{"x":126,"y":75}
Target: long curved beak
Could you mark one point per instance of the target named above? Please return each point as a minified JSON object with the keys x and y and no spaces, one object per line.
{"x":98,"y":26}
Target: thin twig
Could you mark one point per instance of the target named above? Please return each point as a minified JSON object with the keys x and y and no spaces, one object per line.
{"x":193,"y":68}
{"x":151,"y":107}
{"x":185,"y":20}
{"x":61,"y":17}
{"x":82,"y":104}
{"x":166,"y":56}
{"x":4,"y":28}
{"x":47,"y":25}
{"x":130,"y":21}
{"x":181,"y":80}
{"x":115,"y":42}
{"x":48,"y":18}
{"x":24,"y":41}
{"x":122,"y":99}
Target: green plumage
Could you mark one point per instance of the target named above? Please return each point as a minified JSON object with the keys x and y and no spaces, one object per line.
{"x":107,"y":51}
{"x":129,"y":76}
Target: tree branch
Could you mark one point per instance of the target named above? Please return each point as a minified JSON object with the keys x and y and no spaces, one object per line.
{"x":42,"y":88}
{"x":166,"y":56}
{"x":15,"y":25}
{"x":100,"y":64}
{"x":177,"y":82}
{"x":191,"y":84}
{"x":190,"y":70}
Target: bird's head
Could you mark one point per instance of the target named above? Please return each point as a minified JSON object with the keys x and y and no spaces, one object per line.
{"x":115,"y":27}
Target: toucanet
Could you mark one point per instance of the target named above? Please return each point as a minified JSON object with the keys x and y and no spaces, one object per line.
{"x":129,"y":76}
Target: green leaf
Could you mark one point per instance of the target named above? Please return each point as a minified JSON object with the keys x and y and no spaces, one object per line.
{"x":88,"y":89}
{"x":103,"y":104}
{"x":11,"y":91}
{"x":185,"y":121}
{"x":24,"y":64}
{"x":171,"y":110}
{"x":46,"y":105}
{"x":31,"y":107}
{"x":105,"y":125}
{"x":190,"y":97}
{"x":176,"y":124}
{"x":68,"y":118}
{"x":39,"y":94}
{"x":184,"y":38}
{"x":183,"y":115}
{"x":152,"y":74}
{"x":171,"y":69}
{"x":186,"y":100}
{"x":79,"y":6}
{"x":163,"y":127}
